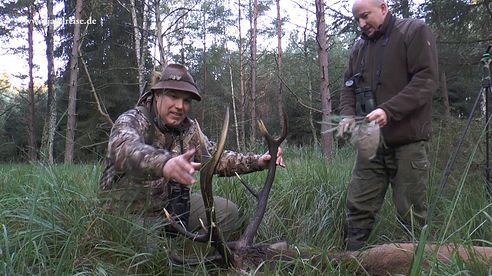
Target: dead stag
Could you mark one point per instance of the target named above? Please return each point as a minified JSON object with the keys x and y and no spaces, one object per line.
{"x":241,"y":253}
{"x":397,"y":258}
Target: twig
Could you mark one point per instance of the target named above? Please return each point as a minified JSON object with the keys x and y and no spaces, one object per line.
{"x":299,"y":99}
{"x":246,"y":185}
{"x":93,"y":90}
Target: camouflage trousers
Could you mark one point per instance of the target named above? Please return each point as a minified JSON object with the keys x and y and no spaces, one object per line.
{"x":226,"y":215}
{"x":406,"y":168}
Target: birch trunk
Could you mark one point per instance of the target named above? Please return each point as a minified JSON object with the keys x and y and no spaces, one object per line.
{"x":242,"y":94}
{"x":158,"y":34}
{"x":137,"y":35}
{"x":50,"y":124}
{"x":236,"y":127}
{"x":253,"y":24}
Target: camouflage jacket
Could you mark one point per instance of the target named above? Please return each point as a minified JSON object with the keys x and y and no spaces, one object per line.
{"x":133,"y":179}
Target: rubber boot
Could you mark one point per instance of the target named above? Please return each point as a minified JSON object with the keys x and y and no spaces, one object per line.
{"x":356,"y":238}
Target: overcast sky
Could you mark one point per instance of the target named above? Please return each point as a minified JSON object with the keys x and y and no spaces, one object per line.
{"x":17,"y":64}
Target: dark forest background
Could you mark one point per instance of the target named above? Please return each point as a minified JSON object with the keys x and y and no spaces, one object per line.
{"x":130,"y":39}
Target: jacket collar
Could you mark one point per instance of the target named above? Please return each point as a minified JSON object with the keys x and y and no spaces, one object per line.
{"x":388,"y":23}
{"x":176,"y":131}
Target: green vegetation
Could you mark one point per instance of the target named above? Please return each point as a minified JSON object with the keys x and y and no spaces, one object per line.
{"x":51,"y":223}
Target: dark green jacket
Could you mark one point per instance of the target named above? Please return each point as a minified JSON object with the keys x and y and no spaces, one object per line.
{"x":409,"y":77}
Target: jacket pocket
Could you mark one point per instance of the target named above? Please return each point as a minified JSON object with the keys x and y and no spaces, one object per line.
{"x":420,"y":164}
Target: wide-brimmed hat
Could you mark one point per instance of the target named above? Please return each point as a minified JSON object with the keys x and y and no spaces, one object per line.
{"x":176,"y":77}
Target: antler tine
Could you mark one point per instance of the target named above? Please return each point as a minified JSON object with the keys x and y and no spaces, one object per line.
{"x":273,"y":144}
{"x":206,"y":176}
{"x":207,"y":172}
{"x":246,"y":185}
{"x":200,"y":237}
{"x":263,"y":129}
{"x":270,"y":140}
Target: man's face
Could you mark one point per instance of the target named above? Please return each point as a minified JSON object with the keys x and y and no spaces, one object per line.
{"x":173,"y":106}
{"x":370,"y":15}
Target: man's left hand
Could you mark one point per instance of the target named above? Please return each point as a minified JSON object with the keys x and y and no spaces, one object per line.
{"x":379,"y":116}
{"x":263,"y":161}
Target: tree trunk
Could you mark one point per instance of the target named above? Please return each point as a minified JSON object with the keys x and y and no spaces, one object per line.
{"x":234,"y":113}
{"x":483,"y":107}
{"x":242,"y":94}
{"x":231,"y":79}
{"x":137,"y":35}
{"x":158,"y":34}
{"x":182,"y":39}
{"x":253,"y":24}
{"x":32,"y":150}
{"x":50,"y":124}
{"x":445,"y":98}
{"x":204,"y":53}
{"x":326,"y":137}
{"x":145,"y":40}
{"x":405,"y":8}
{"x":72,"y":94}
{"x":310,"y":84}
{"x":279,"y":64}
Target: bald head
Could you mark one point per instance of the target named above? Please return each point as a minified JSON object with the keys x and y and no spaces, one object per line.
{"x":370,"y":15}
{"x":370,"y":2}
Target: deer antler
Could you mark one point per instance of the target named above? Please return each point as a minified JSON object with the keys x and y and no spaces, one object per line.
{"x":213,"y":233}
{"x":273,"y":145}
{"x":206,"y":175}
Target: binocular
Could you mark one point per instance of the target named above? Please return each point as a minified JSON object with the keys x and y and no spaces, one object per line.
{"x":364,"y":97}
{"x":364,"y":101}
{"x":179,"y":202}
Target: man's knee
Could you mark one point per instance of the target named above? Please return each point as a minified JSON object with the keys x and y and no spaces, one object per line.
{"x":227,"y":214}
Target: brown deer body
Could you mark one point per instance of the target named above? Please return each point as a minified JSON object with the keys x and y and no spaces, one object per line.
{"x":396,"y":258}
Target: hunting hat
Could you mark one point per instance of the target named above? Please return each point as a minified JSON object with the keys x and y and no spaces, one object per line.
{"x":176,"y":77}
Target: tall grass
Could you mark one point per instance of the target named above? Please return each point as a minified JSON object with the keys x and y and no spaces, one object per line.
{"x":52,"y":224}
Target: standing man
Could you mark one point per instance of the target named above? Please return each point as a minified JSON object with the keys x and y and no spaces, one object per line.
{"x":390,"y":79}
{"x":154,"y":151}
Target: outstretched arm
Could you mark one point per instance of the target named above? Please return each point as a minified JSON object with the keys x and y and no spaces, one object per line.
{"x":181,"y":168}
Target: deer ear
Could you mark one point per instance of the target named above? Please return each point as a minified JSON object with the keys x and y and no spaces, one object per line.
{"x":156,"y":77}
